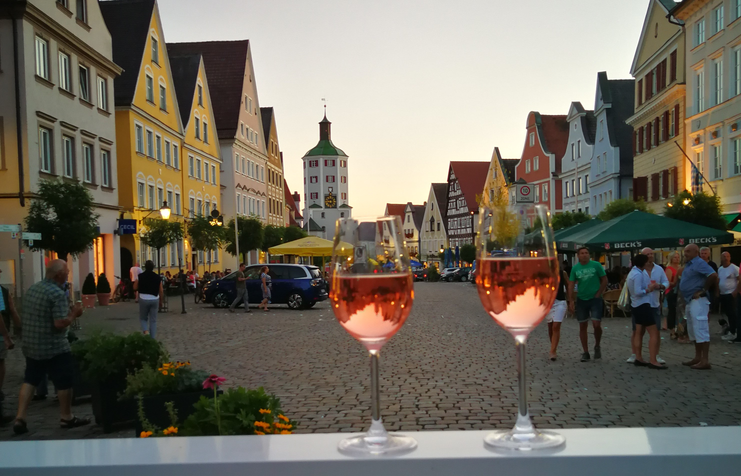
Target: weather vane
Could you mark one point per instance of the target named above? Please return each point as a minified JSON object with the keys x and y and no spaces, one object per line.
{"x":324,"y":100}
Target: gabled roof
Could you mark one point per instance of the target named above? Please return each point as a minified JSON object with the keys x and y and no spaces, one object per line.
{"x":440,"y":190}
{"x":396,"y":209}
{"x":589,"y":126}
{"x":418,"y":213}
{"x":128,"y":22}
{"x":289,"y":199}
{"x":267,"y":120}
{"x":185,"y":75}
{"x":553,"y":132}
{"x":471,"y":178}
{"x":622,"y":96}
{"x":226,"y":64}
{"x":669,"y":6}
{"x":311,"y":225}
{"x":508,"y":168}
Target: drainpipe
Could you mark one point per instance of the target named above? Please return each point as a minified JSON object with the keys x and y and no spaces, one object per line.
{"x":19,"y":134}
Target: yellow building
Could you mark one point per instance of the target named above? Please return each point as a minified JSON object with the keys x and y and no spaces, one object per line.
{"x":274,"y":175}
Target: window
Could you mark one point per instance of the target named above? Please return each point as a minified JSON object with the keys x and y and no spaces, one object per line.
{"x":140,"y":194}
{"x":207,"y":172}
{"x":243,"y":169}
{"x":105,"y":165}
{"x":313,"y":163}
{"x":601,"y":129}
{"x":68,"y":149}
{"x":717,"y":161}
{"x":159,"y":148}
{"x":343,"y":179}
{"x":573,"y":151}
{"x":736,"y":147}
{"x":527,"y":166}
{"x":175,"y":156}
{"x":736,"y":6}
{"x":330,"y":178}
{"x":63,"y":3}
{"x":150,"y":88}
{"x":172,"y":253}
{"x":82,"y":10}
{"x":536,"y":163}
{"x":177,"y":204}
{"x":150,"y":143}
{"x":192,"y":207}
{"x":87,"y":163}
{"x":546,"y":197}
{"x":200,"y":95}
{"x":736,"y":80}
{"x":102,"y":94}
{"x":586,"y":183}
{"x":699,"y":91}
{"x":42,"y":57}
{"x":139,"y":138}
{"x":65,"y":80}
{"x":213,"y":174}
{"x":343,"y":163}
{"x":313,"y":179}
{"x":329,"y":163}
{"x":537,"y":194}
{"x":45,"y":153}
{"x":718,"y":19}
{"x":199,"y":208}
{"x":314,"y":195}
{"x":191,"y":168}
{"x":573,"y":187}
{"x":566,"y":190}
{"x":700,"y":32}
{"x":205,"y":132}
{"x":198,"y":169}
{"x":84,"y":83}
{"x":532,"y":139}
{"x":163,"y":97}
{"x":169,"y":200}
{"x":168,"y":155}
{"x":160,"y":197}
{"x":198,"y":128}
{"x":155,"y":50}
{"x":672,"y":132}
{"x":239,"y":203}
{"x":579,"y":190}
{"x":578,"y":149}
{"x":717,"y":93}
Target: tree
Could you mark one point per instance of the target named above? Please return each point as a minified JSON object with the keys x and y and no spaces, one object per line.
{"x":701,"y":209}
{"x":158,"y":233}
{"x":293,"y":233}
{"x":468,"y":253}
{"x":250,"y":236}
{"x":64,"y":213}
{"x":204,"y":236}
{"x":273,"y":236}
{"x":622,"y":206}
{"x":566,"y":219}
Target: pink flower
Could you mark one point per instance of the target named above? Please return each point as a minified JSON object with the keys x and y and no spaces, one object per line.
{"x":213,"y":381}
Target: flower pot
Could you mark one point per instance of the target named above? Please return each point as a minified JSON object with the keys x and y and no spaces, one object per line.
{"x":108,"y":411}
{"x":104,"y":298}
{"x":156,"y":412}
{"x":88,"y":300}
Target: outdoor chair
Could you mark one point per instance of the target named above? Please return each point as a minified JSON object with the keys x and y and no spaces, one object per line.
{"x":611,"y":298}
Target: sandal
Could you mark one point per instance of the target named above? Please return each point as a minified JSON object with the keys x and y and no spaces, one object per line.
{"x":74,"y":422}
{"x":20,"y":427}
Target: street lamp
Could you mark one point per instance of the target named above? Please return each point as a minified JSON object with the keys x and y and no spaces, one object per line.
{"x":216,"y":218}
{"x":165,"y":211}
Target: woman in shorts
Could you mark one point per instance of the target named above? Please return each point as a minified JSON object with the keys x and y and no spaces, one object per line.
{"x":267,"y":286}
{"x":558,"y":312}
{"x":640,"y":288}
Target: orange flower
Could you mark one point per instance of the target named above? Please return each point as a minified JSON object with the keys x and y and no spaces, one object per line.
{"x":263,"y":411}
{"x":170,"y":431}
{"x":284,"y":418}
{"x":258,"y":432}
{"x":145,"y":434}
{"x":285,"y":432}
{"x":262,"y":424}
{"x":164,"y":372}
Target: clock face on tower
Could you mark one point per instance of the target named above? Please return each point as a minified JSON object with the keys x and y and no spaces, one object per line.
{"x":330,"y":201}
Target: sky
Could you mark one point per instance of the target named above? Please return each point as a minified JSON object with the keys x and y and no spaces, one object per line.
{"x":413,"y":85}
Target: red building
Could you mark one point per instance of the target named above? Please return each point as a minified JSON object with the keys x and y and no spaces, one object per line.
{"x":545,"y":145}
{"x":466,"y":181}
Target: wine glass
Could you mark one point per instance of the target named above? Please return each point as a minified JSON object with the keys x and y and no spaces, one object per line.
{"x":371,"y":296}
{"x":517,"y":278}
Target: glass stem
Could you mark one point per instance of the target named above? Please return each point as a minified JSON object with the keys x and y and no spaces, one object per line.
{"x":523,"y":425}
{"x":375,"y":387}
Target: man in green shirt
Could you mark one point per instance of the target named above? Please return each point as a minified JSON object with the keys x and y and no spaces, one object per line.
{"x":591,"y":280}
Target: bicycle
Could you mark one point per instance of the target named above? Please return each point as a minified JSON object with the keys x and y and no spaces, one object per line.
{"x":121,"y":293}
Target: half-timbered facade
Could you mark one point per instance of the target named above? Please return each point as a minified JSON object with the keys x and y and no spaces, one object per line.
{"x":465,"y":184}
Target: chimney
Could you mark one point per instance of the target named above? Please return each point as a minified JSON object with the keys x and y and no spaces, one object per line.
{"x":296,"y":198}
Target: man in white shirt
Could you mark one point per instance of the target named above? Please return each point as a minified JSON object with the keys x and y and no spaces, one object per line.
{"x":658,"y":277}
{"x":134,"y":273}
{"x":730,"y":286}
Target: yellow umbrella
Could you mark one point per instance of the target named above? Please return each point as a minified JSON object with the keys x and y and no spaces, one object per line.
{"x":310,"y":246}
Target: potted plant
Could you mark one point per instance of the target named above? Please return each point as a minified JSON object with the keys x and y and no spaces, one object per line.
{"x":88,"y":291}
{"x":175,"y":383}
{"x":104,"y":290}
{"x":105,"y":360}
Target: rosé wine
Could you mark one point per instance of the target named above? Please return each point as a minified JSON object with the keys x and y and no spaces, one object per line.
{"x":372,"y":308}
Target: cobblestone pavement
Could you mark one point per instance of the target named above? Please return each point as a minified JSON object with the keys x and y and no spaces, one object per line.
{"x":449,"y":368}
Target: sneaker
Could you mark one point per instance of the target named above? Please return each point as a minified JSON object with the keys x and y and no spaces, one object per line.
{"x":729,"y":336}
{"x":725,"y":330}
{"x":631,"y":359}
{"x":660,"y":360}
{"x":597,"y":353}
{"x":585,"y":357}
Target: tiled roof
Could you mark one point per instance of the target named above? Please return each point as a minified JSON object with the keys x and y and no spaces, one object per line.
{"x":184,"y":75}
{"x":441,"y":200}
{"x":267,"y":120}
{"x":622,"y":93}
{"x":508,"y":168}
{"x":311,"y":225}
{"x":589,"y":126}
{"x":226,"y":64}
{"x":289,"y":199}
{"x":396,"y":209}
{"x":418,"y":214}
{"x":128,"y":22}
{"x":554,"y":134}
{"x":471,"y":177}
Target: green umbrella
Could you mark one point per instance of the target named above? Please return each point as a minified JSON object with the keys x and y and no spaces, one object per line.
{"x":638,"y":230}
{"x":579,"y":227}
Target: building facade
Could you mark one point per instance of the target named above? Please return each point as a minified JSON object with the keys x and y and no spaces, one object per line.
{"x":326,"y":187}
{"x":412,"y":226}
{"x":611,"y":171}
{"x":659,"y":166}
{"x":713,"y":120}
{"x":576,"y":161}
{"x":465,"y":184}
{"x":57,"y":124}
{"x":274,"y":178}
{"x":434,"y":236}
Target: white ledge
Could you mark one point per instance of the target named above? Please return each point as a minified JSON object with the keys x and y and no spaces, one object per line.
{"x":604,"y":452}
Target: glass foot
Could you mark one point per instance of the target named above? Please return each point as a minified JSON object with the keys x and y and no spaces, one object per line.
{"x":524,"y":441}
{"x":377,"y":442}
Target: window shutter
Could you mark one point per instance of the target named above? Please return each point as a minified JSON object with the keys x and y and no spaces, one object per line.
{"x":640,"y":91}
{"x":640,"y":184}
{"x":649,"y":84}
{"x":664,"y":183}
{"x":654,"y":187}
{"x":640,"y":140}
{"x":675,"y":177}
{"x":673,"y":67}
{"x":656,"y":131}
{"x":635,"y":143}
{"x":648,"y":136}
{"x":665,"y":131}
{"x":663,"y":74}
{"x":676,"y":120}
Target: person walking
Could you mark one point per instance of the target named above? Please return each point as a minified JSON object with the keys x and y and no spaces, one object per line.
{"x":267,"y":287}
{"x":134,"y":273}
{"x":7,"y":312}
{"x":672,"y":274}
{"x":558,"y":312}
{"x":242,"y":295}
{"x":45,"y":318}
{"x":591,"y":280}
{"x":151,"y":295}
{"x":641,"y":287}
{"x":729,"y":286}
{"x":658,"y":278}
{"x":697,"y":279}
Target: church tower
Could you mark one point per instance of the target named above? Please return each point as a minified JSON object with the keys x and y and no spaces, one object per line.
{"x":326,"y":187}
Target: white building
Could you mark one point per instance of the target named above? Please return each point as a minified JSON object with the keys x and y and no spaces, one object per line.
{"x":58,"y":123}
{"x":434,"y":235}
{"x":611,"y":174}
{"x":576,"y":161}
{"x":326,"y":195}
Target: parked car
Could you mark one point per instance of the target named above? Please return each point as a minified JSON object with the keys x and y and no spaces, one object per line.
{"x":446,"y":273}
{"x":461,"y":274}
{"x":420,"y":274}
{"x":297,"y":285}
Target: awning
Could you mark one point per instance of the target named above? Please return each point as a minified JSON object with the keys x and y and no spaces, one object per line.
{"x":637,"y":230}
{"x":579,"y":227}
{"x":310,"y":246}
{"x":733,"y":221}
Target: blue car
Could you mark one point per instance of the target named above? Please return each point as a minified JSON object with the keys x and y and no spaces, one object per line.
{"x":297,"y":285}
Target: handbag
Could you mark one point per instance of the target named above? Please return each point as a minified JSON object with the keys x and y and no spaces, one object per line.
{"x":623,"y":301}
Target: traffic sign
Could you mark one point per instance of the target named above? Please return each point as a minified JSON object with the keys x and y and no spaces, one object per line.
{"x":10,"y":228}
{"x":524,"y":193}
{"x":31,"y":236}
